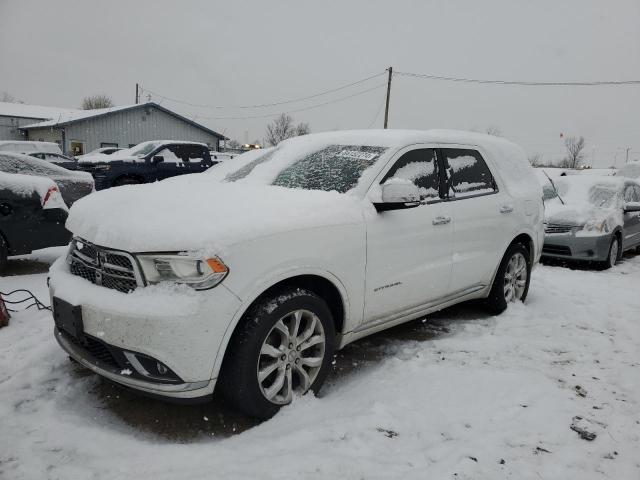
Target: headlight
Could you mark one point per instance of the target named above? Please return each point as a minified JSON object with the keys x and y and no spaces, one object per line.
{"x":596,"y":226}
{"x":198,"y":273}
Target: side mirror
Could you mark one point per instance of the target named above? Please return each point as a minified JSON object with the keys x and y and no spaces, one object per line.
{"x":630,"y":207}
{"x":398,"y":194}
{"x":158,"y":159}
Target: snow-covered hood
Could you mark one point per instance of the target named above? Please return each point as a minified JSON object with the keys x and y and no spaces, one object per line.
{"x":198,"y":213}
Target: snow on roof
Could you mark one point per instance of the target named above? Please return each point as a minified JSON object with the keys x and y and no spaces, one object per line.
{"x":23,"y":110}
{"x":75,"y":115}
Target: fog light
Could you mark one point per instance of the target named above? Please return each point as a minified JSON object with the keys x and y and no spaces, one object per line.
{"x":162,"y":370}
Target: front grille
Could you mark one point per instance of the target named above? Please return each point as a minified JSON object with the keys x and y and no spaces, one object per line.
{"x":556,"y":249}
{"x":557,"y":228}
{"x":101,"y":266}
{"x":97,"y":349}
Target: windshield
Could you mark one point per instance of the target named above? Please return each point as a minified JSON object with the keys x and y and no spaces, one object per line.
{"x":142,"y":149}
{"x":576,"y":191}
{"x":332,"y":168}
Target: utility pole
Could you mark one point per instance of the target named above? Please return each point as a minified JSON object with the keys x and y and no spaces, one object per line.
{"x":627,"y":160}
{"x":137,"y":93}
{"x":386,"y":108}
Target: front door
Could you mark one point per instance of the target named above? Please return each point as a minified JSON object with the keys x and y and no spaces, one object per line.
{"x":631,"y":230}
{"x":409,"y":251}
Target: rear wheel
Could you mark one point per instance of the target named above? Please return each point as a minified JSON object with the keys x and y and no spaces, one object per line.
{"x":613,"y":256}
{"x":511,"y":283}
{"x":282,"y":348}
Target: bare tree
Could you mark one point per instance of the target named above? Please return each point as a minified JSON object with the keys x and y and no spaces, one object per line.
{"x":282,"y":128}
{"x":493,"y":130}
{"x":9,"y":98}
{"x":535,"y":159}
{"x":96,"y":101}
{"x":575,"y":151}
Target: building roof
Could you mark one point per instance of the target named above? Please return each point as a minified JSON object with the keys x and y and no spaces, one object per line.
{"x":75,"y":116}
{"x":22,"y":110}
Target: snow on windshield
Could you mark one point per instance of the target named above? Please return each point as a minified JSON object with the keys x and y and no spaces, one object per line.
{"x":332,"y":168}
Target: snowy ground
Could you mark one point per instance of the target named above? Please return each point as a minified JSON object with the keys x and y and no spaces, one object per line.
{"x":460,"y":395}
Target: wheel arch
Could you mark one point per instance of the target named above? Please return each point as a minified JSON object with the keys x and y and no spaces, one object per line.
{"x":523,"y":238}
{"x":323,"y":284}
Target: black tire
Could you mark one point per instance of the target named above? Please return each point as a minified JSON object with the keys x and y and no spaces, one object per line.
{"x":126,"y":181}
{"x":613,"y":255}
{"x":239,"y":375}
{"x":496,"y":302}
{"x":4,"y":253}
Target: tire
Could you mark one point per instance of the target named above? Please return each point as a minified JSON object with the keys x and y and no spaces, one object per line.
{"x":126,"y":181}
{"x":263,"y":345}
{"x":506,"y":288}
{"x":615,"y":251}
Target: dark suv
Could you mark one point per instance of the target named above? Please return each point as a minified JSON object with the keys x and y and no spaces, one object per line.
{"x":147,"y":162}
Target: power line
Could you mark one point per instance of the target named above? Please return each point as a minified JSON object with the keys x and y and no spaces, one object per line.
{"x":264,"y":105}
{"x":299,"y":109}
{"x":384,"y":100}
{"x":519,"y":82}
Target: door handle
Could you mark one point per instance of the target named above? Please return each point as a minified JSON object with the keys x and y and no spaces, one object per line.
{"x":441,"y":220}
{"x":506,"y":209}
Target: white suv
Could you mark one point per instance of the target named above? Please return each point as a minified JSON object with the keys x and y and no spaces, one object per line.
{"x":248,"y":277}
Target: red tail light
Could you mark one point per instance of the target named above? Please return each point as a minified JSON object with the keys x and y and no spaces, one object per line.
{"x":4,"y":314}
{"x":50,"y":192}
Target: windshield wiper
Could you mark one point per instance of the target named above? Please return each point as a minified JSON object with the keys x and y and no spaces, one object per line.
{"x":554,"y":187}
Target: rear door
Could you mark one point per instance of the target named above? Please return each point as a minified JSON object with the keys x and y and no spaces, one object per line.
{"x":196,"y":158}
{"x":409,"y":251}
{"x":631,"y":233}
{"x":482,"y":217}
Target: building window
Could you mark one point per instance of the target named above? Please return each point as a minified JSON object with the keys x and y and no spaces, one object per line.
{"x":108,"y":144}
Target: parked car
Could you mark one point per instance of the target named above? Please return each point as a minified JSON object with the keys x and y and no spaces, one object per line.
{"x":32,"y":215}
{"x":147,"y":162}
{"x":255,"y":272}
{"x":73,"y":185}
{"x":18,"y":146}
{"x":591,"y":218}
{"x":59,"y":159}
{"x":100,"y":151}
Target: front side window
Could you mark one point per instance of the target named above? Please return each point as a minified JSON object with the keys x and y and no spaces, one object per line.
{"x":334,"y":168}
{"x":420,"y":167}
{"x":169,"y":155}
{"x":467,"y":173}
{"x":631,"y":194}
{"x":193,"y":153}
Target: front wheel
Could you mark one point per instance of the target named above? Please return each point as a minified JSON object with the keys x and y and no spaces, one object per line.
{"x":282,"y":348}
{"x":613,"y":256}
{"x":511,"y":283}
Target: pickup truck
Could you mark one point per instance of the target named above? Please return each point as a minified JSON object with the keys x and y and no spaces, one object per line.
{"x":147,"y":162}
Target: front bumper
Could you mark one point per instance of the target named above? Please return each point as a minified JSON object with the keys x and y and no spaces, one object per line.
{"x":575,"y":247}
{"x":175,"y":325}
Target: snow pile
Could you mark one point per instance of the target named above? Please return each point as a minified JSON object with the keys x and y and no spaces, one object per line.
{"x":630,"y":170}
{"x":462,"y":396}
{"x":195,"y":212}
{"x":25,"y":185}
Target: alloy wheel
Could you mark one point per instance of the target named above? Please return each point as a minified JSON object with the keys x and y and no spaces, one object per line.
{"x":291,"y":356}
{"x":515,"y":278}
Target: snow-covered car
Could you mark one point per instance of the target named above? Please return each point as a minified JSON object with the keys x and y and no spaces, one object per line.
{"x":32,"y":215}
{"x":73,"y":185}
{"x":247,"y":278}
{"x":59,"y":159}
{"x":629,"y":170}
{"x":19,"y":146}
{"x":591,"y":218}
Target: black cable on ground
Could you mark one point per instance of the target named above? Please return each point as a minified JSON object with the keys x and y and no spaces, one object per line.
{"x":35,"y":302}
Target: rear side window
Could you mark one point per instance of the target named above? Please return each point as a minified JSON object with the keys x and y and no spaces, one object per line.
{"x":467,"y":173}
{"x":420,"y":167}
{"x":632,"y":194}
{"x":193,"y":153}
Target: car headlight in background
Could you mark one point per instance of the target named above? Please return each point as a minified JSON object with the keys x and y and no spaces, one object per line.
{"x":198,"y":273}
{"x":596,"y":226}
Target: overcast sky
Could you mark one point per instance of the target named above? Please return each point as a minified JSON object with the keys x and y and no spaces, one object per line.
{"x":254,"y":52}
